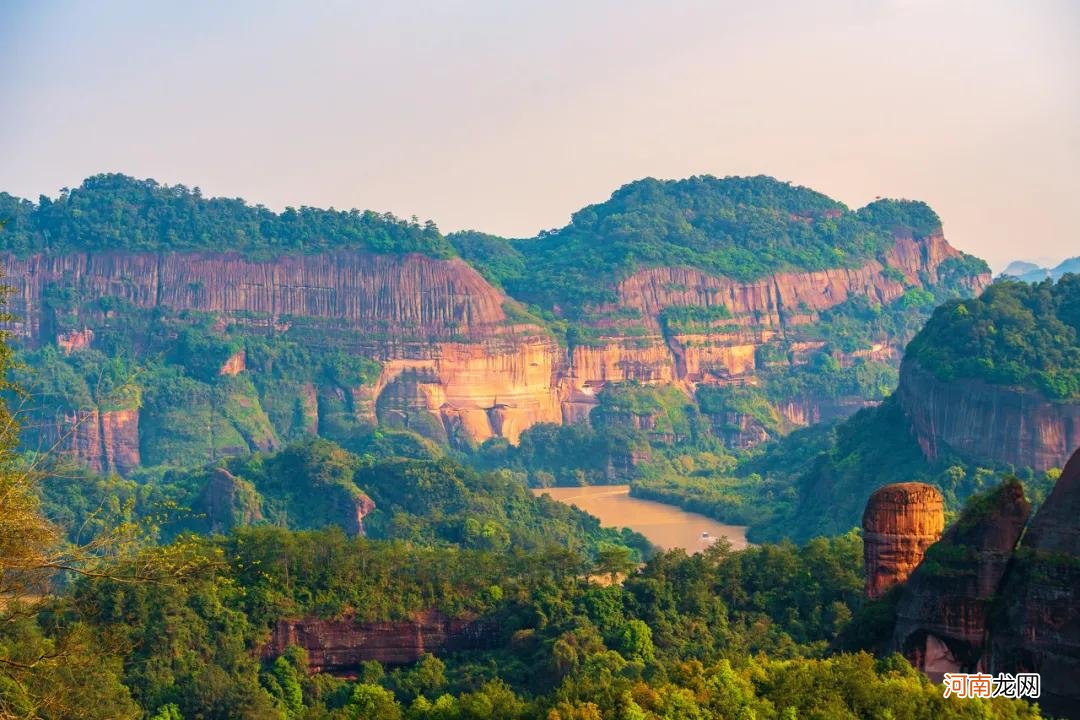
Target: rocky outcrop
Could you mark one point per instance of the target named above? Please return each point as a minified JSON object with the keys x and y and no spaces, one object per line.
{"x":339,"y":646}
{"x":1037,"y":628}
{"x":943,"y":612}
{"x":102,"y":440}
{"x":234,"y":365}
{"x":73,"y":340}
{"x":978,"y":601}
{"x":900,"y":522}
{"x":475,"y":390}
{"x":643,"y":359}
{"x":399,"y":297}
{"x":990,"y":422}
{"x":120,"y":440}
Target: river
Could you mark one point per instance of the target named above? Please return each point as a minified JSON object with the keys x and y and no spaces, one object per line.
{"x":664,"y":525}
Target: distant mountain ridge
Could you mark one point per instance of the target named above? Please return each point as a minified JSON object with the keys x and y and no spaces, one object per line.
{"x":1031,"y":272}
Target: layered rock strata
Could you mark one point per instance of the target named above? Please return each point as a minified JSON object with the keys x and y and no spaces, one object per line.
{"x":900,"y":522}
{"x":468,"y":372}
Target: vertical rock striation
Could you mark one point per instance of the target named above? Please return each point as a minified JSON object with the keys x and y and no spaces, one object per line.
{"x":900,"y":522}
{"x":339,"y":646}
{"x":1007,"y":425}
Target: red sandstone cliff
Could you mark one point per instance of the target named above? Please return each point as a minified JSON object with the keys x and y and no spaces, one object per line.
{"x":943,"y":612}
{"x":756,"y":312}
{"x":900,"y":522}
{"x":453,"y":364}
{"x":1038,"y":627}
{"x":339,"y":646}
{"x":104,"y":441}
{"x":992,"y":422}
{"x":410,"y":296}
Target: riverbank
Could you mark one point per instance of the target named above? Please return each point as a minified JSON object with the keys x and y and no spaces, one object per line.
{"x":666,"y":526}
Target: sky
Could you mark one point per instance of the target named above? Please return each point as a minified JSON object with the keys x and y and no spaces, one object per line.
{"x":509,"y":115}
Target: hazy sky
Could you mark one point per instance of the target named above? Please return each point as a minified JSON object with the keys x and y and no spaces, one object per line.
{"x":508,"y":116}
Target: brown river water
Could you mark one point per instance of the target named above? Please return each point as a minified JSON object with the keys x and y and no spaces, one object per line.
{"x":664,"y":525}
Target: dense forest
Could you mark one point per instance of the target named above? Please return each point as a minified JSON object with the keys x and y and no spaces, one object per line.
{"x":1014,"y":334}
{"x":116,"y":212}
{"x":742,"y":228}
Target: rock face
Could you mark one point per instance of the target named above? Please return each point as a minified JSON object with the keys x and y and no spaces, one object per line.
{"x":339,"y":646}
{"x":104,"y":441}
{"x":943,"y":611}
{"x":980,"y":602}
{"x":641,"y":346}
{"x":228,"y":501}
{"x":404,"y":296}
{"x":900,"y":522}
{"x":1009,"y":426}
{"x":1038,"y":627}
{"x":454,"y":366}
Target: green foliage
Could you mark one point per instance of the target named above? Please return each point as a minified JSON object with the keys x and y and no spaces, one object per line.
{"x":692,"y":318}
{"x":116,"y":212}
{"x":902,"y":217}
{"x":743,"y":228}
{"x":1014,"y":334}
{"x":496,"y":258}
{"x":659,"y":409}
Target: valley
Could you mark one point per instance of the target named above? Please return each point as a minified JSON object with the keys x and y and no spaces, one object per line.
{"x":394,"y":471}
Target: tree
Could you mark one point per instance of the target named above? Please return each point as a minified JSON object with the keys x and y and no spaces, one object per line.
{"x":372,"y":702}
{"x":614,"y":560}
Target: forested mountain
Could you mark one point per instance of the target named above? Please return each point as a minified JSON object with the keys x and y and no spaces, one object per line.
{"x":769,"y":306}
{"x":117,"y":212}
{"x":736,"y":227}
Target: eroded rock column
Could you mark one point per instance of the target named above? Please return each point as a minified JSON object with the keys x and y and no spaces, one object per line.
{"x":900,"y":522}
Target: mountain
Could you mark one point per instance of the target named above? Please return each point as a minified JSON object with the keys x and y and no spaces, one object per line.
{"x":1030,"y":272}
{"x":164,"y":327}
{"x":1019,"y":267}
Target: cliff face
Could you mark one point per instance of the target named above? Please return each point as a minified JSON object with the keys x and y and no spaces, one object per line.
{"x":454,"y":367}
{"x":943,"y":611}
{"x":105,"y":441}
{"x":402,"y":296}
{"x":979,"y":602}
{"x":1038,"y":627}
{"x":987,"y":421}
{"x":639,"y":345}
{"x":900,"y":522}
{"x":790,"y":297}
{"x":339,"y":646}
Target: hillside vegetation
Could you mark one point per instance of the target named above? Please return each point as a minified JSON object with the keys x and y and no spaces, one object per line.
{"x":1014,"y":334}
{"x":117,"y":212}
{"x":738,"y":227}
